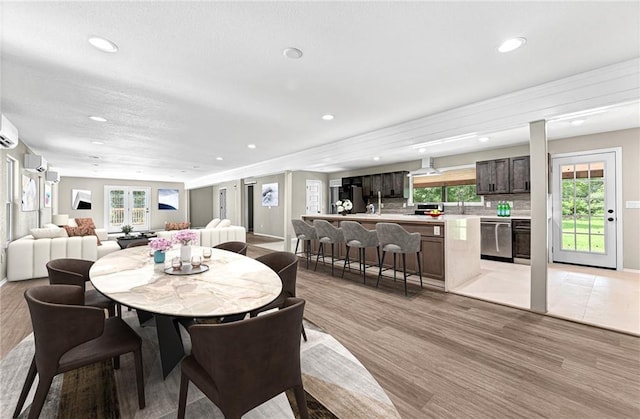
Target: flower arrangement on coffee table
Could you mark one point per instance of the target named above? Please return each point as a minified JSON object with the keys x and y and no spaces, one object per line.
{"x":344,"y":206}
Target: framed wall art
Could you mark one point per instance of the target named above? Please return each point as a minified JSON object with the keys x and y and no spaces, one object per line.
{"x":168,"y":199}
{"x":80,"y":199}
{"x":29,"y":194}
{"x":270,"y":195}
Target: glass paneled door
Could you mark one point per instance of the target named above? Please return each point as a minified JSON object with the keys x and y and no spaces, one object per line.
{"x":584,"y":210}
{"x":125,"y":205}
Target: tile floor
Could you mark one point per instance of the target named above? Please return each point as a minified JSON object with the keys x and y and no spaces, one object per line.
{"x":600,"y":297}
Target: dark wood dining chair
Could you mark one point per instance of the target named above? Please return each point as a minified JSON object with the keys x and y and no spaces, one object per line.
{"x":241,"y":365}
{"x":69,"y":335}
{"x":285,"y":264}
{"x":69,"y":271}
{"x":235,"y":247}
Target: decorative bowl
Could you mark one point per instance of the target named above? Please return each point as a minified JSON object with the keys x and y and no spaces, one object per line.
{"x":436,"y":215}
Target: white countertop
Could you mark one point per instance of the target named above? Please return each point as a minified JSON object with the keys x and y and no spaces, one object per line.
{"x":513,"y":217}
{"x":394,"y":217}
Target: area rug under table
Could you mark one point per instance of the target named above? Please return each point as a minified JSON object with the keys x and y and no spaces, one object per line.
{"x":336,"y":383}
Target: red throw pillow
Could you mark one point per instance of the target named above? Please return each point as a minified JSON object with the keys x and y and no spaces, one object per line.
{"x":176,"y":226}
{"x":85,"y":222}
{"x":82,"y":231}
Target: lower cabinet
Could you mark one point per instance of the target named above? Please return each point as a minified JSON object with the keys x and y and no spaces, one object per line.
{"x":432,"y":245}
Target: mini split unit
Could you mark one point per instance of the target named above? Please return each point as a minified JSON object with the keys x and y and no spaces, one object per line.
{"x":8,"y":133}
{"x":53,"y":177}
{"x":35,"y":163}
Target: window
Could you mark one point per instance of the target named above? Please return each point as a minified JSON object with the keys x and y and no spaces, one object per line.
{"x":126,"y":205}
{"x":454,"y":186}
{"x":10,"y":188}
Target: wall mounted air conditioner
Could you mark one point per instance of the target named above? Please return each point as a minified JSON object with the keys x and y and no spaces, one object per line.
{"x":249,"y":181}
{"x":8,"y":133}
{"x":52,"y":177}
{"x":35,"y":163}
{"x":335,"y":183}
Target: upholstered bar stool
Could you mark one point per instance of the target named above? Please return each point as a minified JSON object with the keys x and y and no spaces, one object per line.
{"x":305,"y":232}
{"x":327,"y":234}
{"x":395,"y":239}
{"x":356,"y":236}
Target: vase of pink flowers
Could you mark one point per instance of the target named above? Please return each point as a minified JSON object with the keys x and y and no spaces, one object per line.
{"x":185,"y":237}
{"x":160,"y":246}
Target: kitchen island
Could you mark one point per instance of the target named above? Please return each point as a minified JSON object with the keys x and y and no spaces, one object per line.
{"x":450,"y":244}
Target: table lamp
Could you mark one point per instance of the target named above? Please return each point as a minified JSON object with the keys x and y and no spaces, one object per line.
{"x":60,"y":219}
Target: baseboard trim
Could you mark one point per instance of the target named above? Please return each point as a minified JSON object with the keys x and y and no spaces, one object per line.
{"x":3,"y":281}
{"x":633,"y":271}
{"x":268,"y":235}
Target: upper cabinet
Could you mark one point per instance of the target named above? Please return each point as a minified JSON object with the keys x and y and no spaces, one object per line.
{"x":390,"y":185}
{"x":520,"y":174}
{"x":492,"y":177}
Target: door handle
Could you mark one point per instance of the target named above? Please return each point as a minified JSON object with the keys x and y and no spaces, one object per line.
{"x":610,"y":211}
{"x":610,"y":219}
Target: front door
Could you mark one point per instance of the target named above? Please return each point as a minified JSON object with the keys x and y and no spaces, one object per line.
{"x":125,"y":205}
{"x":314,"y":197}
{"x":584,"y":209}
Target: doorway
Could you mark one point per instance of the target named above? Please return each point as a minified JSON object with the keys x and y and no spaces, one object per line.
{"x":223,"y":203}
{"x":249,"y":208}
{"x":314,"y":197}
{"x":584,"y":209}
{"x":126,"y":205}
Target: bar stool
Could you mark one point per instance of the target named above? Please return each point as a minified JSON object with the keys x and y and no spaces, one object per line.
{"x":393,"y":238}
{"x":355,"y":235}
{"x":305,"y":232}
{"x":327,"y":234}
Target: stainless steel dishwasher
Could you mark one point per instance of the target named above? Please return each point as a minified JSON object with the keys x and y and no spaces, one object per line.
{"x":496,"y":239}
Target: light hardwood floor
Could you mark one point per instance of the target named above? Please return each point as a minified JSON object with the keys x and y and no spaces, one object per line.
{"x":448,"y":356}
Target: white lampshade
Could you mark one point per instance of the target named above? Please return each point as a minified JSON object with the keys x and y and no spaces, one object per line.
{"x":60,"y":219}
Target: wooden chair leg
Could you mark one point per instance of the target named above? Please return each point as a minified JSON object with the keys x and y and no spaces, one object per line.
{"x":28,"y":382}
{"x":301,"y":401}
{"x":304,"y":333}
{"x":40,"y":397}
{"x":182,"y":400}
{"x":137,"y":356}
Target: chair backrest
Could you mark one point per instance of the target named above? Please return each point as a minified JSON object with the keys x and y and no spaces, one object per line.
{"x":392,"y":233}
{"x":285,"y":264}
{"x":353,"y":230}
{"x":326,"y":230}
{"x":252,"y":360}
{"x":235,"y":247}
{"x":60,"y":322}
{"x":69,"y":271}
{"x":304,"y":230}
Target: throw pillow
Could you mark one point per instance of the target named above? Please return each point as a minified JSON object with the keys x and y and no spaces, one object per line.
{"x":224,"y":223}
{"x":82,"y":231}
{"x":49,"y":225}
{"x":85,"y":222}
{"x":168,"y":226}
{"x":213,"y":223}
{"x":48,"y":233}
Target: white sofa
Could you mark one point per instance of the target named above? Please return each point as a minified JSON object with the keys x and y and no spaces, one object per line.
{"x":212,"y":236}
{"x":27,"y":257}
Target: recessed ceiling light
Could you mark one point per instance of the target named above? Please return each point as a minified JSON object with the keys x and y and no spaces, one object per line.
{"x":251,"y":145}
{"x":138,"y":171}
{"x":328,"y":117}
{"x":577,"y":122}
{"x":94,"y":157}
{"x":483,"y":139}
{"x":376,"y":158}
{"x":218,"y":158}
{"x":422,"y":150}
{"x":97,"y":142}
{"x":293,"y":53}
{"x":96,"y":164}
{"x":97,"y":119}
{"x":103,"y":44}
{"x":512,"y":44}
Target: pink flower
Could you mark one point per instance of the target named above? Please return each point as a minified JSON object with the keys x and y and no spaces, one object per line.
{"x":160,"y":244}
{"x":185,"y":237}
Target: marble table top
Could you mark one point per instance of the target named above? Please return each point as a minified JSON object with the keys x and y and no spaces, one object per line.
{"x":233,"y":284}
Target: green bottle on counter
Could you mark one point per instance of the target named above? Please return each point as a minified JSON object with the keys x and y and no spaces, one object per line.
{"x":508,"y":209}
{"x":499,"y":208}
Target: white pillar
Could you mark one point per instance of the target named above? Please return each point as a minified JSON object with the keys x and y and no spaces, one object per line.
{"x":539,"y":169}
{"x":288,"y":206}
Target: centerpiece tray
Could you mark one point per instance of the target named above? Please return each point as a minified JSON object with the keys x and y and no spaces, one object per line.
{"x":187,"y":269}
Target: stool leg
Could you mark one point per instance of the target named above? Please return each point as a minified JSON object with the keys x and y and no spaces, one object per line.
{"x":295,"y":252}
{"x":419,"y":256}
{"x":363,"y":265}
{"x":320,"y":250}
{"x":346,"y":259}
{"x":394,"y":266}
{"x":308,"y":244}
{"x":332,"y":247}
{"x":404,"y":269}
{"x":380,"y":271}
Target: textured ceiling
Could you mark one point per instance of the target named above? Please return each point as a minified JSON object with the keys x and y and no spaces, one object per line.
{"x":196,"y":81}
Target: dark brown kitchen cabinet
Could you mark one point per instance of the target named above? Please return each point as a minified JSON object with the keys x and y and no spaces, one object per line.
{"x":520,"y":175}
{"x":387,"y":185}
{"x":376,"y":185}
{"x":366,"y":187}
{"x":492,"y":177}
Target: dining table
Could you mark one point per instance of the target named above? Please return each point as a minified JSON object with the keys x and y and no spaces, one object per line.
{"x":226,"y":285}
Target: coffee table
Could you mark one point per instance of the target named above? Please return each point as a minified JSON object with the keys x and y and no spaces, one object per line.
{"x":125,"y":241}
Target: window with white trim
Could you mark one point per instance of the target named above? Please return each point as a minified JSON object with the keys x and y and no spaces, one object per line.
{"x":448,"y":187}
{"x":10,"y":189}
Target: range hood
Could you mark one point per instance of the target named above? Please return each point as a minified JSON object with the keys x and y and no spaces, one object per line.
{"x":426,"y":168}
